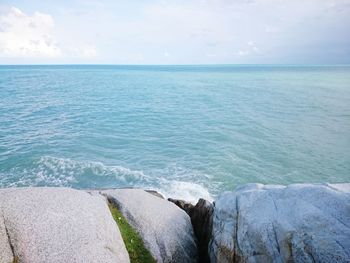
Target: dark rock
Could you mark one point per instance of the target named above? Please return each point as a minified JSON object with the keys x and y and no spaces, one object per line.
{"x":186,"y":206}
{"x":155,"y":193}
{"x":202,"y":220}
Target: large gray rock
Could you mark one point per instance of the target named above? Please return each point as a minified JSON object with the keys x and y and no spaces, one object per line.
{"x":165,"y":229}
{"x":60,"y":225}
{"x":273,"y":223}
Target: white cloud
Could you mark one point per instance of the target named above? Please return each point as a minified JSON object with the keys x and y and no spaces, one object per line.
{"x":243,"y":53}
{"x":176,"y":32}
{"x":33,"y":36}
{"x":251,"y":43}
{"x":23,"y":35}
{"x":256,"y":49}
{"x":251,"y":48}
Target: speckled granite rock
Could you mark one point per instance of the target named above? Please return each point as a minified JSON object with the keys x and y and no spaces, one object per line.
{"x":165,"y":229}
{"x":6,"y":255}
{"x":273,"y":223}
{"x":60,"y":225}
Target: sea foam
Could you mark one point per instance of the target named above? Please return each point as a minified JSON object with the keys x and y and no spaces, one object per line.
{"x":56,"y":171}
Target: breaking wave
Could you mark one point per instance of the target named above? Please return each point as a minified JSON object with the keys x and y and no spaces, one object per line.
{"x":54,"y":171}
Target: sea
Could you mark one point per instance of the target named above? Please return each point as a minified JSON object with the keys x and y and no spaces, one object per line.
{"x":185,"y":131}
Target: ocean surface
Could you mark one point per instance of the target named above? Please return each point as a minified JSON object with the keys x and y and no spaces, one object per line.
{"x":186,"y":131}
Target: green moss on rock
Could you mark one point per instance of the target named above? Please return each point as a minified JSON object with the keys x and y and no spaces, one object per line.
{"x":132,"y":240}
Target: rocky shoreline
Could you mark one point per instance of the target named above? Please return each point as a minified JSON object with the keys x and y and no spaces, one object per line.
{"x":254,"y":223}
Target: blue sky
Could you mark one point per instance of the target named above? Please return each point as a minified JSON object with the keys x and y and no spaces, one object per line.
{"x":175,"y":32}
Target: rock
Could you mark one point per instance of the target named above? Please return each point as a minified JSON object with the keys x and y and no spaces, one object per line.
{"x":201,"y":219}
{"x":6,"y":255}
{"x":60,"y":225}
{"x":165,"y":229}
{"x":155,"y":193}
{"x":186,"y":206}
{"x":273,"y":223}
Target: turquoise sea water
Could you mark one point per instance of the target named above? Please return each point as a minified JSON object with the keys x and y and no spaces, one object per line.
{"x":187,"y":131}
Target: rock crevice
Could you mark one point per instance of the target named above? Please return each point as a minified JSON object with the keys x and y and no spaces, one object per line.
{"x":202,"y":220}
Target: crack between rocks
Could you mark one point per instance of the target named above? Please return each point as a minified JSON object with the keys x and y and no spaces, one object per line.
{"x":274,"y":203}
{"x":312,"y":257}
{"x":235,"y":241}
{"x":9,"y":239}
{"x":336,"y":241}
{"x":276,"y":239}
{"x":273,"y":226}
{"x":308,"y":249}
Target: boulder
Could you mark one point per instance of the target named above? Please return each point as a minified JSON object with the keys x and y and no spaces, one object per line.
{"x":165,"y":229}
{"x":274,"y":223}
{"x":59,"y":225}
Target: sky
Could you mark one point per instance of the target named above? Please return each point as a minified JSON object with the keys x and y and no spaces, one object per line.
{"x":175,"y":32}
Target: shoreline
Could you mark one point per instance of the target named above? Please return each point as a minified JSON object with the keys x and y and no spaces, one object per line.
{"x":175,"y":229}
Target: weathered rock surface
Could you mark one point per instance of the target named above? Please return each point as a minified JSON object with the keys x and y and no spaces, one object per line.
{"x":201,"y":219}
{"x":59,"y":225}
{"x":6,"y":255}
{"x":273,"y":223}
{"x":165,"y":229}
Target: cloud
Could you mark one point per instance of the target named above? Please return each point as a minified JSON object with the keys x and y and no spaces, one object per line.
{"x":251,"y":43}
{"x":23,"y":35}
{"x":33,"y":36}
{"x":176,"y":32}
{"x":251,"y":48}
{"x":242,"y":53}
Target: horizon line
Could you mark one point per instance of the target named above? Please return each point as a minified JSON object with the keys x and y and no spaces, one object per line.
{"x":209,"y":64}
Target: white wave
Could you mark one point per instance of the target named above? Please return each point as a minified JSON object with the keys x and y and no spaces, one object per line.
{"x":187,"y":191}
{"x":54,"y":171}
{"x":75,"y":169}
